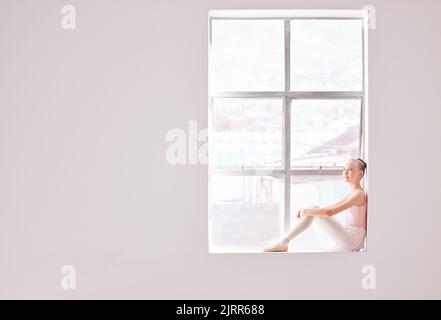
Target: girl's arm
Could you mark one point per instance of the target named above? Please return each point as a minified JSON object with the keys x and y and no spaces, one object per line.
{"x":349,"y":201}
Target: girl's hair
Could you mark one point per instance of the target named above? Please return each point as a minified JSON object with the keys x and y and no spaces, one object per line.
{"x":361,"y":164}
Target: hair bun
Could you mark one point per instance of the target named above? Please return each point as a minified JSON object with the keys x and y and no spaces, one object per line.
{"x":364,"y":163}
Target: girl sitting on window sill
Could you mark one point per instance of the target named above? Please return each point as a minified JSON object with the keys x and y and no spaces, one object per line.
{"x":348,"y":237}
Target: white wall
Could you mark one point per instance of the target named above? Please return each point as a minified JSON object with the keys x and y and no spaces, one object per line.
{"x":83,"y":176}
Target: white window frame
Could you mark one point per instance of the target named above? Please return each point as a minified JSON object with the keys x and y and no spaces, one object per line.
{"x":287,"y":96}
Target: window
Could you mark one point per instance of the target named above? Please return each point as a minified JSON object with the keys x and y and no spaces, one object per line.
{"x":287,"y":108}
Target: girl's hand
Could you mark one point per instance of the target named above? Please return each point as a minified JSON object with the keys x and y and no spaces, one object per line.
{"x":304,"y":212}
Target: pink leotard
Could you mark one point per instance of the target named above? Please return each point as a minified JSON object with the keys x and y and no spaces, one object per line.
{"x":357,"y":216}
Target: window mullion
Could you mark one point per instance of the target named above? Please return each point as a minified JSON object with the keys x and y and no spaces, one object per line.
{"x":287,"y":127}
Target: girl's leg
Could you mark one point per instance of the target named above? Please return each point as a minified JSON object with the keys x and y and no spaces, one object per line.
{"x":282,"y":245}
{"x":336,"y":232}
{"x":340,"y":237}
{"x":301,"y":226}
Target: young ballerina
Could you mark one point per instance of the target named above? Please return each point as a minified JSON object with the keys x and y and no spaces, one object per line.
{"x":348,"y":237}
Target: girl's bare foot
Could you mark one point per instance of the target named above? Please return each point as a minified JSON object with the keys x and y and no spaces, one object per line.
{"x":280,"y":246}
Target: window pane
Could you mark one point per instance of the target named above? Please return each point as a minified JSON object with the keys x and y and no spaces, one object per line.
{"x":246,"y":133}
{"x":326,"y":55}
{"x":247,"y":55}
{"x":246,"y":212}
{"x":324,"y":132}
{"x":322,"y":191}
